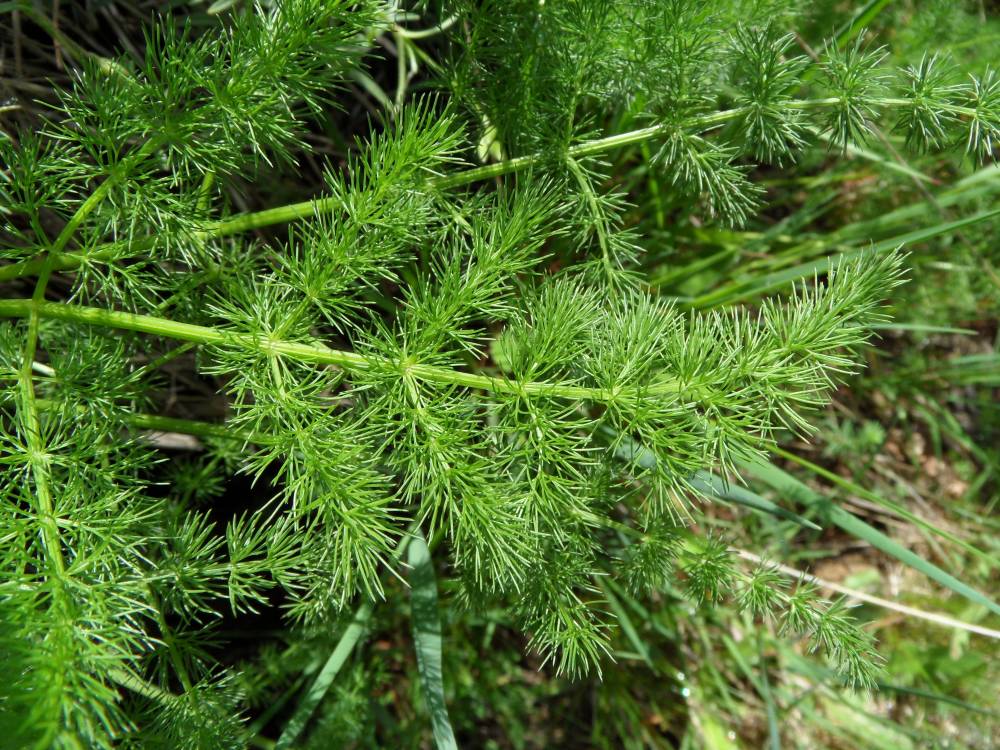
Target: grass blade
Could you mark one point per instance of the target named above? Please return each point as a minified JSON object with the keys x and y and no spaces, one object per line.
{"x":863,"y":153}
{"x":770,"y":282}
{"x":641,"y":649}
{"x":718,"y":487}
{"x":861,"y":18}
{"x":758,"y":678}
{"x":938,"y":698}
{"x":890,"y":506}
{"x":427,"y":639}
{"x":343,"y":649}
{"x":325,"y":678}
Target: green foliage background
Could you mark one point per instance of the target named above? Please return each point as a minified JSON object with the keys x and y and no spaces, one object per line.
{"x":558,"y":340}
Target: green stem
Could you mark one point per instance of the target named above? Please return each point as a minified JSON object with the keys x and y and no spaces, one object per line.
{"x":31,"y":426}
{"x":954,"y":109}
{"x":425,"y":33}
{"x":596,"y":215}
{"x":95,"y":198}
{"x":138,"y":686}
{"x":38,"y":460}
{"x":156,"y":423}
{"x":58,"y":260}
{"x":28,"y":411}
{"x":205,"y":192}
{"x":320,"y":354}
{"x":157,"y":363}
{"x":168,"y":640}
{"x":305,"y":209}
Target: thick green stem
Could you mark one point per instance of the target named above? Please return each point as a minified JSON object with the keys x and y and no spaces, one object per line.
{"x":38,"y":460}
{"x":156,"y":423}
{"x":138,"y":686}
{"x":318,"y":353}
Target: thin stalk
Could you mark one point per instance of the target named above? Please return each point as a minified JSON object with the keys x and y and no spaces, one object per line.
{"x":157,"y":363}
{"x":28,"y":413}
{"x":597,"y":216}
{"x":156,"y":423}
{"x":168,"y":640}
{"x":48,"y":26}
{"x":425,"y":33}
{"x":323,"y":355}
{"x":96,"y":197}
{"x":934,"y":617}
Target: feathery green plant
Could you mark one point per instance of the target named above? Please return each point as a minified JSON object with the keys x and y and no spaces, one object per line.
{"x":470,"y":349}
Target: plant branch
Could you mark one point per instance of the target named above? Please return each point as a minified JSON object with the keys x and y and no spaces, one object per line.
{"x":318,"y":206}
{"x":157,"y":423}
{"x":318,"y":353}
{"x":28,"y":413}
{"x":597,"y":217}
{"x":31,"y":425}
